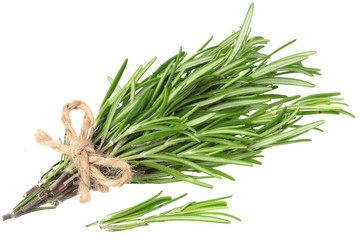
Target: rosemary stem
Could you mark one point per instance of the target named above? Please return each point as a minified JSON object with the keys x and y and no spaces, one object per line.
{"x":32,"y":190}
{"x":8,"y":216}
{"x":64,"y":176}
{"x":92,"y":224}
{"x":67,"y":196}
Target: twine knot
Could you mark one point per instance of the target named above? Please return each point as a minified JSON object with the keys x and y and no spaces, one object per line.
{"x":83,"y":155}
{"x":81,"y":146}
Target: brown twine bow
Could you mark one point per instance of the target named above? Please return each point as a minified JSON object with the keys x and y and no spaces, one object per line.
{"x":81,"y":152}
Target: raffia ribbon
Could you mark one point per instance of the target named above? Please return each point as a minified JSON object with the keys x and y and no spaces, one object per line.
{"x":83,"y":155}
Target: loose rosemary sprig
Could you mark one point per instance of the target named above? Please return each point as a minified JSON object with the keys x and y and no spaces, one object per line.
{"x":132,"y":217}
{"x":194,"y":114}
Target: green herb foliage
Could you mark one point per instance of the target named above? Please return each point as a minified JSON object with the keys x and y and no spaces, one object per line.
{"x":196,"y":113}
{"x":132,"y":217}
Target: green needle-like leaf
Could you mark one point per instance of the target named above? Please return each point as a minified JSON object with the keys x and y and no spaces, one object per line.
{"x":115,"y":82}
{"x":286,"y":135}
{"x":283,"y":81}
{"x":243,"y":34}
{"x":286,"y":61}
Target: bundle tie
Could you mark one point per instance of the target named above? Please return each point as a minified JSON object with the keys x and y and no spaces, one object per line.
{"x":83,"y":155}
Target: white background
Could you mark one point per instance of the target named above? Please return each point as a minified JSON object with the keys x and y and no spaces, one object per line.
{"x":53,"y":52}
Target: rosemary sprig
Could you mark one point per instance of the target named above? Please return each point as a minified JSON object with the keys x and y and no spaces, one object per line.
{"x":195,"y":114}
{"x":132,"y":217}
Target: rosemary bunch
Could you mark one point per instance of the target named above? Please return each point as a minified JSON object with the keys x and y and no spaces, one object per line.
{"x":194,"y":114}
